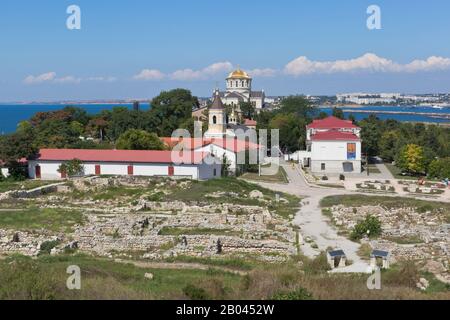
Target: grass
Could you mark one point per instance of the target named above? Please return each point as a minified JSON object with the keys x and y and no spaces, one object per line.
{"x":29,"y":219}
{"x":397,"y":173}
{"x":112,"y":193}
{"x":413,"y":239}
{"x":364,"y":251}
{"x":279,"y":177}
{"x":171,"y":231}
{"x":10,"y":185}
{"x":388,"y":202}
{"x":244,"y":264}
{"x":45,"y":278}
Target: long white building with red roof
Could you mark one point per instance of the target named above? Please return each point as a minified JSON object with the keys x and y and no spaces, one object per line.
{"x":333,"y":146}
{"x":187,"y":164}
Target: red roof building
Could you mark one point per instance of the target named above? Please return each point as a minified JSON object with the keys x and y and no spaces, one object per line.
{"x":186,"y":164}
{"x":128,"y":156}
{"x":335,"y":136}
{"x":333,"y":147}
{"x":332,"y":123}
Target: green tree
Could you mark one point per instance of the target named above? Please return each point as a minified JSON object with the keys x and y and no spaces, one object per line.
{"x":338,"y":113}
{"x":388,"y":145}
{"x":139,"y":140}
{"x":172,"y":108}
{"x":371,"y":134}
{"x":299,"y":106}
{"x":225,"y":167}
{"x":72,"y":168}
{"x":411,"y":159}
{"x":439,"y":169}
{"x":370,"y":226}
{"x":292,"y":130}
{"x":16,"y":146}
{"x":248,"y":110}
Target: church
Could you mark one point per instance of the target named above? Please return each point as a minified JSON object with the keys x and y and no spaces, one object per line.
{"x":225,"y":116}
{"x":239,"y":89}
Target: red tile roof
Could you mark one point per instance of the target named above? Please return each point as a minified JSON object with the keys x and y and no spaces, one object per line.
{"x":230,"y":144}
{"x":249,"y":122}
{"x":332,"y":123}
{"x":335,"y":136}
{"x":129,"y":156}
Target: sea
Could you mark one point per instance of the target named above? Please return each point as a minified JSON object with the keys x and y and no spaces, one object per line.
{"x":11,"y":115}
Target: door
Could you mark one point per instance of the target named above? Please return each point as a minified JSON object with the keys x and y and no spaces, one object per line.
{"x":130,"y":170}
{"x":171,"y":171}
{"x":38,"y":172}
{"x":98,"y":170}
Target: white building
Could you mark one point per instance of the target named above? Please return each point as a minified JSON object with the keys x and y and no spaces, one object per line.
{"x":232,"y":149}
{"x":191,"y":165}
{"x":239,"y":89}
{"x":333,"y":146}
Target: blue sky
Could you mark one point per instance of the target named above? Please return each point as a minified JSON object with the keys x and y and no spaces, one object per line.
{"x":136,"y":48}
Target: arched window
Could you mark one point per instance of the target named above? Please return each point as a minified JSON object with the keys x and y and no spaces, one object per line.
{"x":214,"y":120}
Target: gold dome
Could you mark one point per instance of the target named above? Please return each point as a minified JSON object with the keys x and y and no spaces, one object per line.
{"x":239,"y":74}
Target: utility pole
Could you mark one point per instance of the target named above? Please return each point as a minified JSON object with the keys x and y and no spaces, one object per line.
{"x":367,"y":160}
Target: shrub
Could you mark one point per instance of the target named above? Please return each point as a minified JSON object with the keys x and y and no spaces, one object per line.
{"x":317,"y":265}
{"x":325,"y":178}
{"x":195,"y":293}
{"x":370,"y":226}
{"x":299,"y":294}
{"x":342,"y":177}
{"x":47,"y":246}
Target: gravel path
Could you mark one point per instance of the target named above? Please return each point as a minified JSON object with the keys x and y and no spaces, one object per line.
{"x":314,"y":225}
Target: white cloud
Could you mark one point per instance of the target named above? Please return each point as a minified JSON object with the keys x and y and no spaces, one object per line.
{"x":51,"y":77}
{"x":102,"y":79}
{"x":203,"y":74}
{"x":368,"y":62}
{"x":45,"y":77}
{"x":431,"y":64}
{"x":68,"y":79}
{"x":150,"y":74}
{"x":263,"y":73}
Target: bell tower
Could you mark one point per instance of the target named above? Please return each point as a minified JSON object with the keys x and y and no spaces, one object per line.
{"x":217,"y":118}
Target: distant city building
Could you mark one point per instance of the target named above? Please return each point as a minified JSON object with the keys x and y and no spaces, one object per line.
{"x":368,"y":98}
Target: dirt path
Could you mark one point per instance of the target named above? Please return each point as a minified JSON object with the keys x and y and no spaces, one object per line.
{"x":314,"y":225}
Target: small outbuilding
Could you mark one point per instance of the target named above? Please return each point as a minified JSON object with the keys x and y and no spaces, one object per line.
{"x":380,"y":259}
{"x":336,"y":259}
